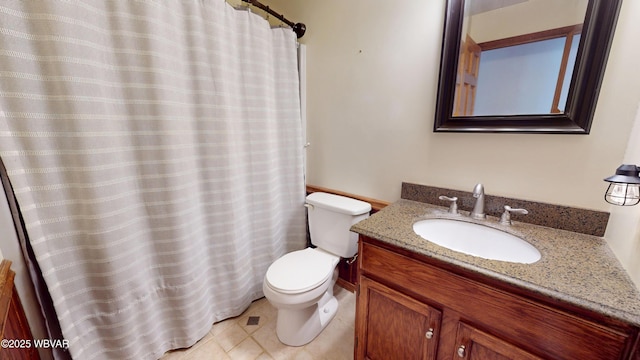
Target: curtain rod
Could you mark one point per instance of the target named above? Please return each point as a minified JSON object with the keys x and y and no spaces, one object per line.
{"x":298,"y":28}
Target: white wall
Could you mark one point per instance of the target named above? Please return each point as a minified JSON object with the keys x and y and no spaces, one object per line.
{"x":623,"y":232}
{"x":7,"y":233}
{"x":372,"y":71}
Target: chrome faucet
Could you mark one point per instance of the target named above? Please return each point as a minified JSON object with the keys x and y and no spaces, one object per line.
{"x":453,"y":206}
{"x":505,"y":219}
{"x":478,"y":209}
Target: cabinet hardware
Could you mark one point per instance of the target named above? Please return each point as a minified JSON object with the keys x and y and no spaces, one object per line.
{"x":429,"y":333}
{"x":461,"y":351}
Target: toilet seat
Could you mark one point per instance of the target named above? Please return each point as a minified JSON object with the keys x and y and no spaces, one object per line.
{"x":301,"y":271}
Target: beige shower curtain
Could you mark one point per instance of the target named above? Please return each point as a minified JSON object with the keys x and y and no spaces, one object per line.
{"x":155,"y":151}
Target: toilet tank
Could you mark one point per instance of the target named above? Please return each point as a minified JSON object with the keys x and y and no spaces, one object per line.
{"x":330,"y":218}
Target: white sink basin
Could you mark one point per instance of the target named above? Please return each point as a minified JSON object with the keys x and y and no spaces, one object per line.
{"x":477,"y":240}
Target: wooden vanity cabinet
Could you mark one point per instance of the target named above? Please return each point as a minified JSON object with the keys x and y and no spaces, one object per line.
{"x":13,"y":321}
{"x":412,"y":307}
{"x":416,"y":321}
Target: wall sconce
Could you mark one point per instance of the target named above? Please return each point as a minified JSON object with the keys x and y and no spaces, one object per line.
{"x":624,"y":187}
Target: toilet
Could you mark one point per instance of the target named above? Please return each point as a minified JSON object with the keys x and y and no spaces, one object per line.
{"x":300,"y":284}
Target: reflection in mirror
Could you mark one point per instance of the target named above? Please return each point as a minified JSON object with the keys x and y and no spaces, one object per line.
{"x":579,"y":32}
{"x":517,"y":56}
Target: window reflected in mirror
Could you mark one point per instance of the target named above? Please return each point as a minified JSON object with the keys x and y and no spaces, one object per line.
{"x":517,"y":56}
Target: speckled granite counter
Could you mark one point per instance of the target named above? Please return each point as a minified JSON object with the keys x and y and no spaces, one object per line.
{"x":577,"y":268}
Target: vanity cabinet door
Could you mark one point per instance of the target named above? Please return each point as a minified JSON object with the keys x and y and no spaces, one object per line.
{"x":392,"y":325}
{"x":473,"y":344}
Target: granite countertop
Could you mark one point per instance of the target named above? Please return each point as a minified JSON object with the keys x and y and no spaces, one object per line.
{"x":576,"y":268}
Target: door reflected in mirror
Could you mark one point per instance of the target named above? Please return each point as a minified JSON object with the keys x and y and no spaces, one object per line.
{"x":517,"y":56}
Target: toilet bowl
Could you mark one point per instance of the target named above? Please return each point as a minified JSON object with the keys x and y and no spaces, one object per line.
{"x":304,"y":296}
{"x":300,"y":284}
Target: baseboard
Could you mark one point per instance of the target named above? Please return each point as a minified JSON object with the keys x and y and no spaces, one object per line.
{"x":346,"y":285}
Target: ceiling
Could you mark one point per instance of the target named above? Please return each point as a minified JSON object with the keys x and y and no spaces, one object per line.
{"x":480,"y":6}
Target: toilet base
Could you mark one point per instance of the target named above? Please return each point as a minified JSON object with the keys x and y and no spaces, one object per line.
{"x":297,"y":327}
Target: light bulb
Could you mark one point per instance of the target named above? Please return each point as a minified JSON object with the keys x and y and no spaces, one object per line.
{"x":633,"y":192}
{"x":623,"y":194}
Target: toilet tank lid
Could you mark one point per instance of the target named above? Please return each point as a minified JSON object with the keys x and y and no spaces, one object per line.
{"x":338,"y":203}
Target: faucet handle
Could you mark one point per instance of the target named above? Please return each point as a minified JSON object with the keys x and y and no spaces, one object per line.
{"x":453,"y":207}
{"x":505,"y":219}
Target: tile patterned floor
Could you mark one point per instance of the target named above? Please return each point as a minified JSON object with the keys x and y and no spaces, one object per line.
{"x":235,"y":340}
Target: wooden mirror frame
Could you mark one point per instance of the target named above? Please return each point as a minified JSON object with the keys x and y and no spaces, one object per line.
{"x":595,"y":42}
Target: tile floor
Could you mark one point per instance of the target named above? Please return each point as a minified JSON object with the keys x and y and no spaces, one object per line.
{"x":234,"y":339}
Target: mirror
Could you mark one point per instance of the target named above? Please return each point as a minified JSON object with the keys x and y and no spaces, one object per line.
{"x":492,"y":77}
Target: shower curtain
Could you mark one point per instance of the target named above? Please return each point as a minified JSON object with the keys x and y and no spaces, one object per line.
{"x":155,"y":150}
